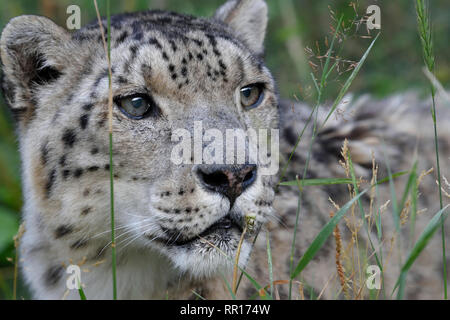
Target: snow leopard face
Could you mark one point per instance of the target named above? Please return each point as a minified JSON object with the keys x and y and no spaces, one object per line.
{"x":169,"y":72}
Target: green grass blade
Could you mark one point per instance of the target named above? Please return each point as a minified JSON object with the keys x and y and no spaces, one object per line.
{"x":314,"y":133}
{"x":81,"y":293}
{"x":257,"y":286}
{"x":409,"y":185}
{"x":227,"y":284}
{"x":323,"y":235}
{"x":299,"y":139}
{"x":361,"y":209}
{"x":315,"y":83}
{"x":392,"y":176}
{"x":333,"y":181}
{"x":355,"y":185}
{"x":269,"y":260}
{"x":113,"y":236}
{"x":332,"y":68}
{"x":107,"y":48}
{"x":349,"y":81}
{"x":111,"y":162}
{"x":319,"y":97}
{"x":325,"y":72}
{"x":242,"y":274}
{"x":421,"y":243}
{"x":294,"y":236}
{"x":426,"y":37}
{"x":317,"y":182}
{"x":198,"y":295}
{"x":414,"y":195}
{"x":395,"y":211}
{"x":266,"y":296}
{"x":425,"y":33}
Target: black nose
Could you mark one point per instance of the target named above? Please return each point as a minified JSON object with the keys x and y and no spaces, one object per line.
{"x":229,"y":180}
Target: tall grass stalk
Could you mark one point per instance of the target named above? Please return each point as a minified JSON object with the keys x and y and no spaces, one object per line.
{"x":252,"y":246}
{"x":261,"y":290}
{"x":323,"y":235}
{"x":199,"y":296}
{"x":395,"y":205}
{"x":379,"y":227}
{"x":80,"y":290}
{"x":334,"y":181}
{"x":297,"y":218}
{"x":107,"y":47}
{"x":236,"y":263}
{"x":421,"y":243}
{"x":227,"y":284}
{"x":321,"y":90}
{"x":413,"y":182}
{"x":425,"y":33}
{"x":349,"y":81}
{"x":363,"y":215}
{"x":270,"y":262}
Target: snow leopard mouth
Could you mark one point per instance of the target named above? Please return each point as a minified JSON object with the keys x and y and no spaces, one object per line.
{"x":224,"y":226}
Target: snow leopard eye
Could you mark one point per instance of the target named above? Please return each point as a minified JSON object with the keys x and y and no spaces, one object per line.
{"x":137,"y":106}
{"x":252,"y":96}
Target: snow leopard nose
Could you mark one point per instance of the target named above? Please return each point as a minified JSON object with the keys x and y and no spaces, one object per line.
{"x":229,"y":180}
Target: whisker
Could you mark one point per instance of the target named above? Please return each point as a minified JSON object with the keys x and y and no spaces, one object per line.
{"x":277,"y":219}
{"x":124,"y":233}
{"x":121,"y":227}
{"x":136,"y":237}
{"x":101,"y":251}
{"x":132,"y":239}
{"x":149,"y":227}
{"x":136,"y":228}
{"x":135,"y":215}
{"x":170,"y":239}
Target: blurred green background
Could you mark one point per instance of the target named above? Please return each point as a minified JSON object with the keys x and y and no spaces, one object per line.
{"x":394,"y":65}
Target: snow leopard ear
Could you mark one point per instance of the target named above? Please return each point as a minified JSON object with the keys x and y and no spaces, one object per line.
{"x":248,"y":18}
{"x":34,"y":51}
